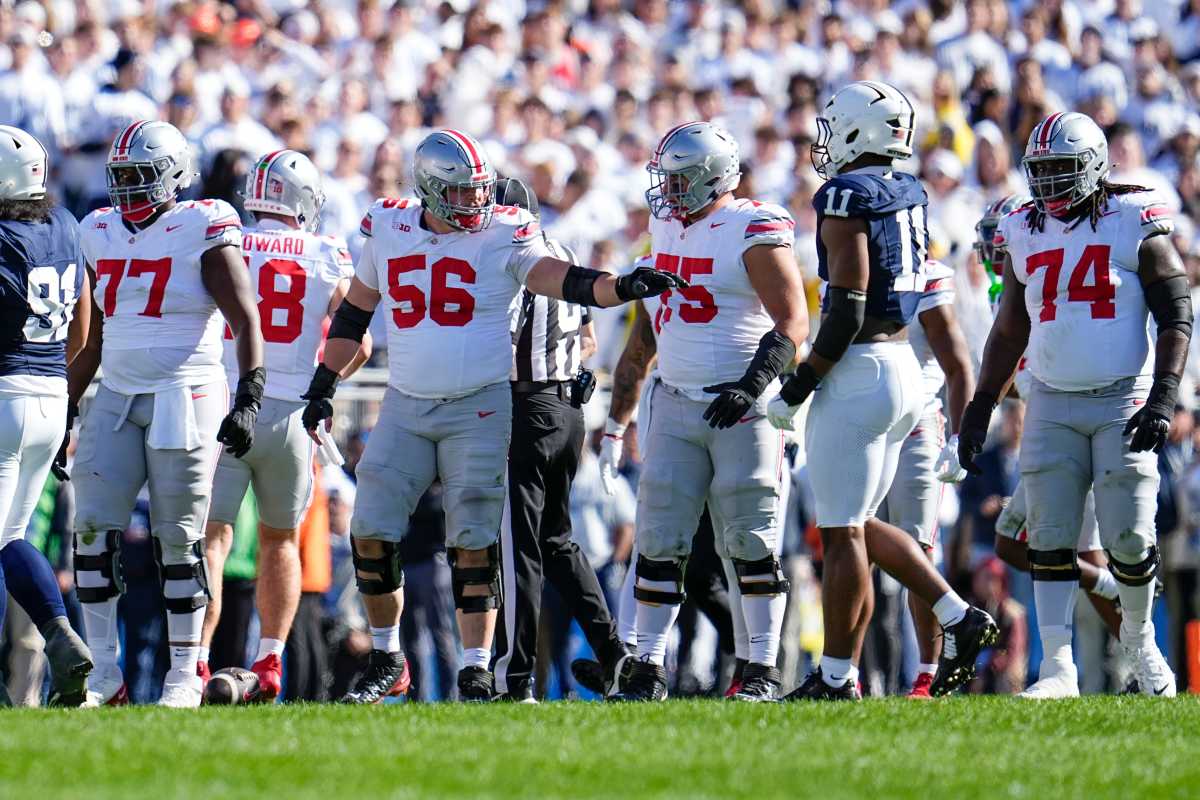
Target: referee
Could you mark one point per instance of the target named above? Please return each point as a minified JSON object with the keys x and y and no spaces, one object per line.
{"x":550,"y":340}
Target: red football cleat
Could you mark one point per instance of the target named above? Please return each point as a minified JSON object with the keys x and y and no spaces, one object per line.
{"x":920,"y":687}
{"x":269,"y":670}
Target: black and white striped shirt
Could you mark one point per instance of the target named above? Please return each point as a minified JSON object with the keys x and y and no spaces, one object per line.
{"x":546,"y":332}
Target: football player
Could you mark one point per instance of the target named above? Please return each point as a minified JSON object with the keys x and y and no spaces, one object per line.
{"x":927,"y":460}
{"x":720,"y":344}
{"x":1083,"y":266}
{"x":871,"y":245}
{"x":447,"y":270}
{"x":165,"y":273}
{"x":300,"y":278}
{"x":46,"y":312}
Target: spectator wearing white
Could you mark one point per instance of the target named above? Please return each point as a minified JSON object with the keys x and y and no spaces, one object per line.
{"x":236,"y":130}
{"x":992,"y":175}
{"x":1185,"y":33}
{"x":1128,"y":158}
{"x":1154,"y":109}
{"x":975,"y":49}
{"x":27,"y":99}
{"x":1094,"y":74}
{"x":1117,"y":27}
{"x":949,"y":202}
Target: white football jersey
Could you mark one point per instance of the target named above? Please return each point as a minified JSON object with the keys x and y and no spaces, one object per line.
{"x":939,"y":291}
{"x":1087,"y":311}
{"x":709,"y":332}
{"x":294,"y":274}
{"x":449,"y":298}
{"x":162,"y":328}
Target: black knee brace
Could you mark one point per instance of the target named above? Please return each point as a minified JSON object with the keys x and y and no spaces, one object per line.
{"x":108,"y":564}
{"x":1053,"y":565}
{"x":1138,"y":574}
{"x":761,"y":577}
{"x":195,"y":571}
{"x":659,"y":571}
{"x":388,"y":567}
{"x":489,"y":576}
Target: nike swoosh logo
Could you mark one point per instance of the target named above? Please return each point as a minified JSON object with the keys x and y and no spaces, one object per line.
{"x":1161,"y":689}
{"x":750,"y":418}
{"x":485,"y":414}
{"x":199,"y":396}
{"x":715,"y":224}
{"x":170,"y":228}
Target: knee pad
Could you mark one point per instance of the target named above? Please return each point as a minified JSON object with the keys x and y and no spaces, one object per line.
{"x":101,"y":572}
{"x":1053,"y":565}
{"x":388,"y":567}
{"x":183,"y":572}
{"x":489,"y":576}
{"x":764,"y":576}
{"x":648,"y":571}
{"x":1138,"y":574}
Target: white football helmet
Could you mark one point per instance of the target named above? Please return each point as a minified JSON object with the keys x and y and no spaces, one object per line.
{"x":149,"y":163}
{"x":22,"y":165}
{"x":864,"y":117}
{"x":451,"y":161}
{"x":692,"y":166}
{"x":1065,"y":161}
{"x":288,"y":183}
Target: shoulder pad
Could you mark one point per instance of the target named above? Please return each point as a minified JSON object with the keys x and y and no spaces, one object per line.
{"x":767,"y":218}
{"x":851,"y":195}
{"x":1154,"y":216}
{"x":379,"y":207}
{"x":524,"y":225}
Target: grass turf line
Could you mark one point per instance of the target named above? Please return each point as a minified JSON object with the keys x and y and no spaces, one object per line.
{"x":1095,"y":747}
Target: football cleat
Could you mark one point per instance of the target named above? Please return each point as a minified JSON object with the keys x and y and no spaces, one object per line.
{"x":814,"y":687}
{"x":647,"y":682}
{"x":106,"y":689}
{"x":231,"y":686}
{"x":961,"y":644}
{"x":519,"y":699}
{"x":920,"y":687}
{"x":70,"y":662}
{"x":1057,"y":680}
{"x":1154,"y":676}
{"x":475,"y":685}
{"x":182,"y":691}
{"x":386,"y":675}
{"x":590,"y":674}
{"x":735,"y":683}
{"x":269,"y":670}
{"x":759,"y":684}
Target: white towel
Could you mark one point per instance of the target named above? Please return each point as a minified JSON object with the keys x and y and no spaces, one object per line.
{"x":174,"y":424}
{"x":328,"y":453}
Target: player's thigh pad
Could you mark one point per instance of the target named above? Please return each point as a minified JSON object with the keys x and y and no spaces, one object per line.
{"x":397,"y":466}
{"x":1012,"y":519}
{"x":1125,"y":483}
{"x":472,"y":458}
{"x":676,"y":475}
{"x":110,"y":462}
{"x":915,"y":493}
{"x":747,"y":462}
{"x":1056,"y":469}
{"x":283,"y":466}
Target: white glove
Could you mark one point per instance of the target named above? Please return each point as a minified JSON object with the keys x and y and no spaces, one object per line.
{"x":612,"y":446}
{"x":781,"y":415}
{"x":947,"y":466}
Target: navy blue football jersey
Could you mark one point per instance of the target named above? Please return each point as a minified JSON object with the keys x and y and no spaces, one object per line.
{"x":41,"y":275}
{"x":893,"y":206}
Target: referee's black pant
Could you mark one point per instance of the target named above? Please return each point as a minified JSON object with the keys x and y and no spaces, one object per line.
{"x":547,"y":436}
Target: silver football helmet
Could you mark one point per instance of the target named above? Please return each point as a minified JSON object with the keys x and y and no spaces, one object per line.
{"x":985,"y":229}
{"x":288,"y":183}
{"x":693,"y":165}
{"x":1065,"y":161}
{"x":22,"y":165}
{"x":865,"y":117}
{"x":455,"y":180}
{"x":149,"y":163}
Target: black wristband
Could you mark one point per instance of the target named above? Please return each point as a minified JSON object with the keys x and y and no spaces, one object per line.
{"x":323,"y":384}
{"x":250,"y":389}
{"x":579,"y":286}
{"x":775,"y":352}
{"x":72,"y":412}
{"x":798,"y":387}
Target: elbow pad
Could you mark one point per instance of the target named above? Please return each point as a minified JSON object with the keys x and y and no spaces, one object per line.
{"x":349,"y":322}
{"x":1170,"y":301}
{"x":579,"y":286}
{"x":774,"y":355}
{"x":847,"y":311}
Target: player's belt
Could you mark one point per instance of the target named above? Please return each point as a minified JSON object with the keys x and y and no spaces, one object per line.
{"x":561,"y":388}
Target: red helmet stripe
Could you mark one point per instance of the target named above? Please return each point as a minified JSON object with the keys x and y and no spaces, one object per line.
{"x":126,"y":137}
{"x":464,"y":141}
{"x":1044,"y":134}
{"x":662,"y":143}
{"x":264,"y":166}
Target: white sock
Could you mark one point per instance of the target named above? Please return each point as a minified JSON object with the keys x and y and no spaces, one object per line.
{"x":927,"y":669}
{"x":627,"y":611}
{"x":386,"y":638}
{"x":837,"y":671}
{"x":476,"y":657}
{"x":1106,"y":585}
{"x":203,"y":654}
{"x":1056,"y":645}
{"x":183,"y":631}
{"x":274,"y":647}
{"x":950,"y":609}
{"x":1055,"y":603}
{"x":103,"y":638}
{"x":741,"y":639}
{"x":654,"y":623}
{"x":763,"y":614}
{"x":1136,"y":602}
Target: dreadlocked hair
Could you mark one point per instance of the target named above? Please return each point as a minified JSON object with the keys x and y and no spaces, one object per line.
{"x":1094,"y":205}
{"x":27,"y":210}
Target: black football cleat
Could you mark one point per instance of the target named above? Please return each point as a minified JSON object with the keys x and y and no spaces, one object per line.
{"x":760,"y":684}
{"x":814,"y":687}
{"x":475,"y":685}
{"x":386,"y":676}
{"x":592,"y":675}
{"x":647,"y":682}
{"x":961,"y":645}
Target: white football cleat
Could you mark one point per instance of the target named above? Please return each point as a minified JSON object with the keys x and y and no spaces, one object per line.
{"x":106,"y":688}
{"x":1154,"y":676}
{"x":1056,"y":681}
{"x":182,"y":691}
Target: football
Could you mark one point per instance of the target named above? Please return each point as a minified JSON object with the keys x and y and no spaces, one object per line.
{"x":231,"y":686}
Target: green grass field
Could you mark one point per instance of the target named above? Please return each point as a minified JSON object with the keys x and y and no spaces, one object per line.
{"x":963,"y":748}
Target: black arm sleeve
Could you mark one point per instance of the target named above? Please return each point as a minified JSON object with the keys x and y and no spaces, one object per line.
{"x":579,"y":285}
{"x":349,"y":322}
{"x":847,"y":311}
{"x":775,"y":352}
{"x":1170,"y":302}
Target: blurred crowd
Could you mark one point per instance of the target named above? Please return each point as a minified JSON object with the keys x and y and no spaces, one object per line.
{"x":572,"y":95}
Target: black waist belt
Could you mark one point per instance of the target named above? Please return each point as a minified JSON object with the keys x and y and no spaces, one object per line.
{"x":561,"y":388}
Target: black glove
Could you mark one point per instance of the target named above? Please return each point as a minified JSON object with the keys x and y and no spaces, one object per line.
{"x":797,"y":388}
{"x":237,"y":429}
{"x":1150,"y":423}
{"x":647,"y":282}
{"x":732,"y":402}
{"x":319,"y":397}
{"x":59,"y":465}
{"x":972,"y":432}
